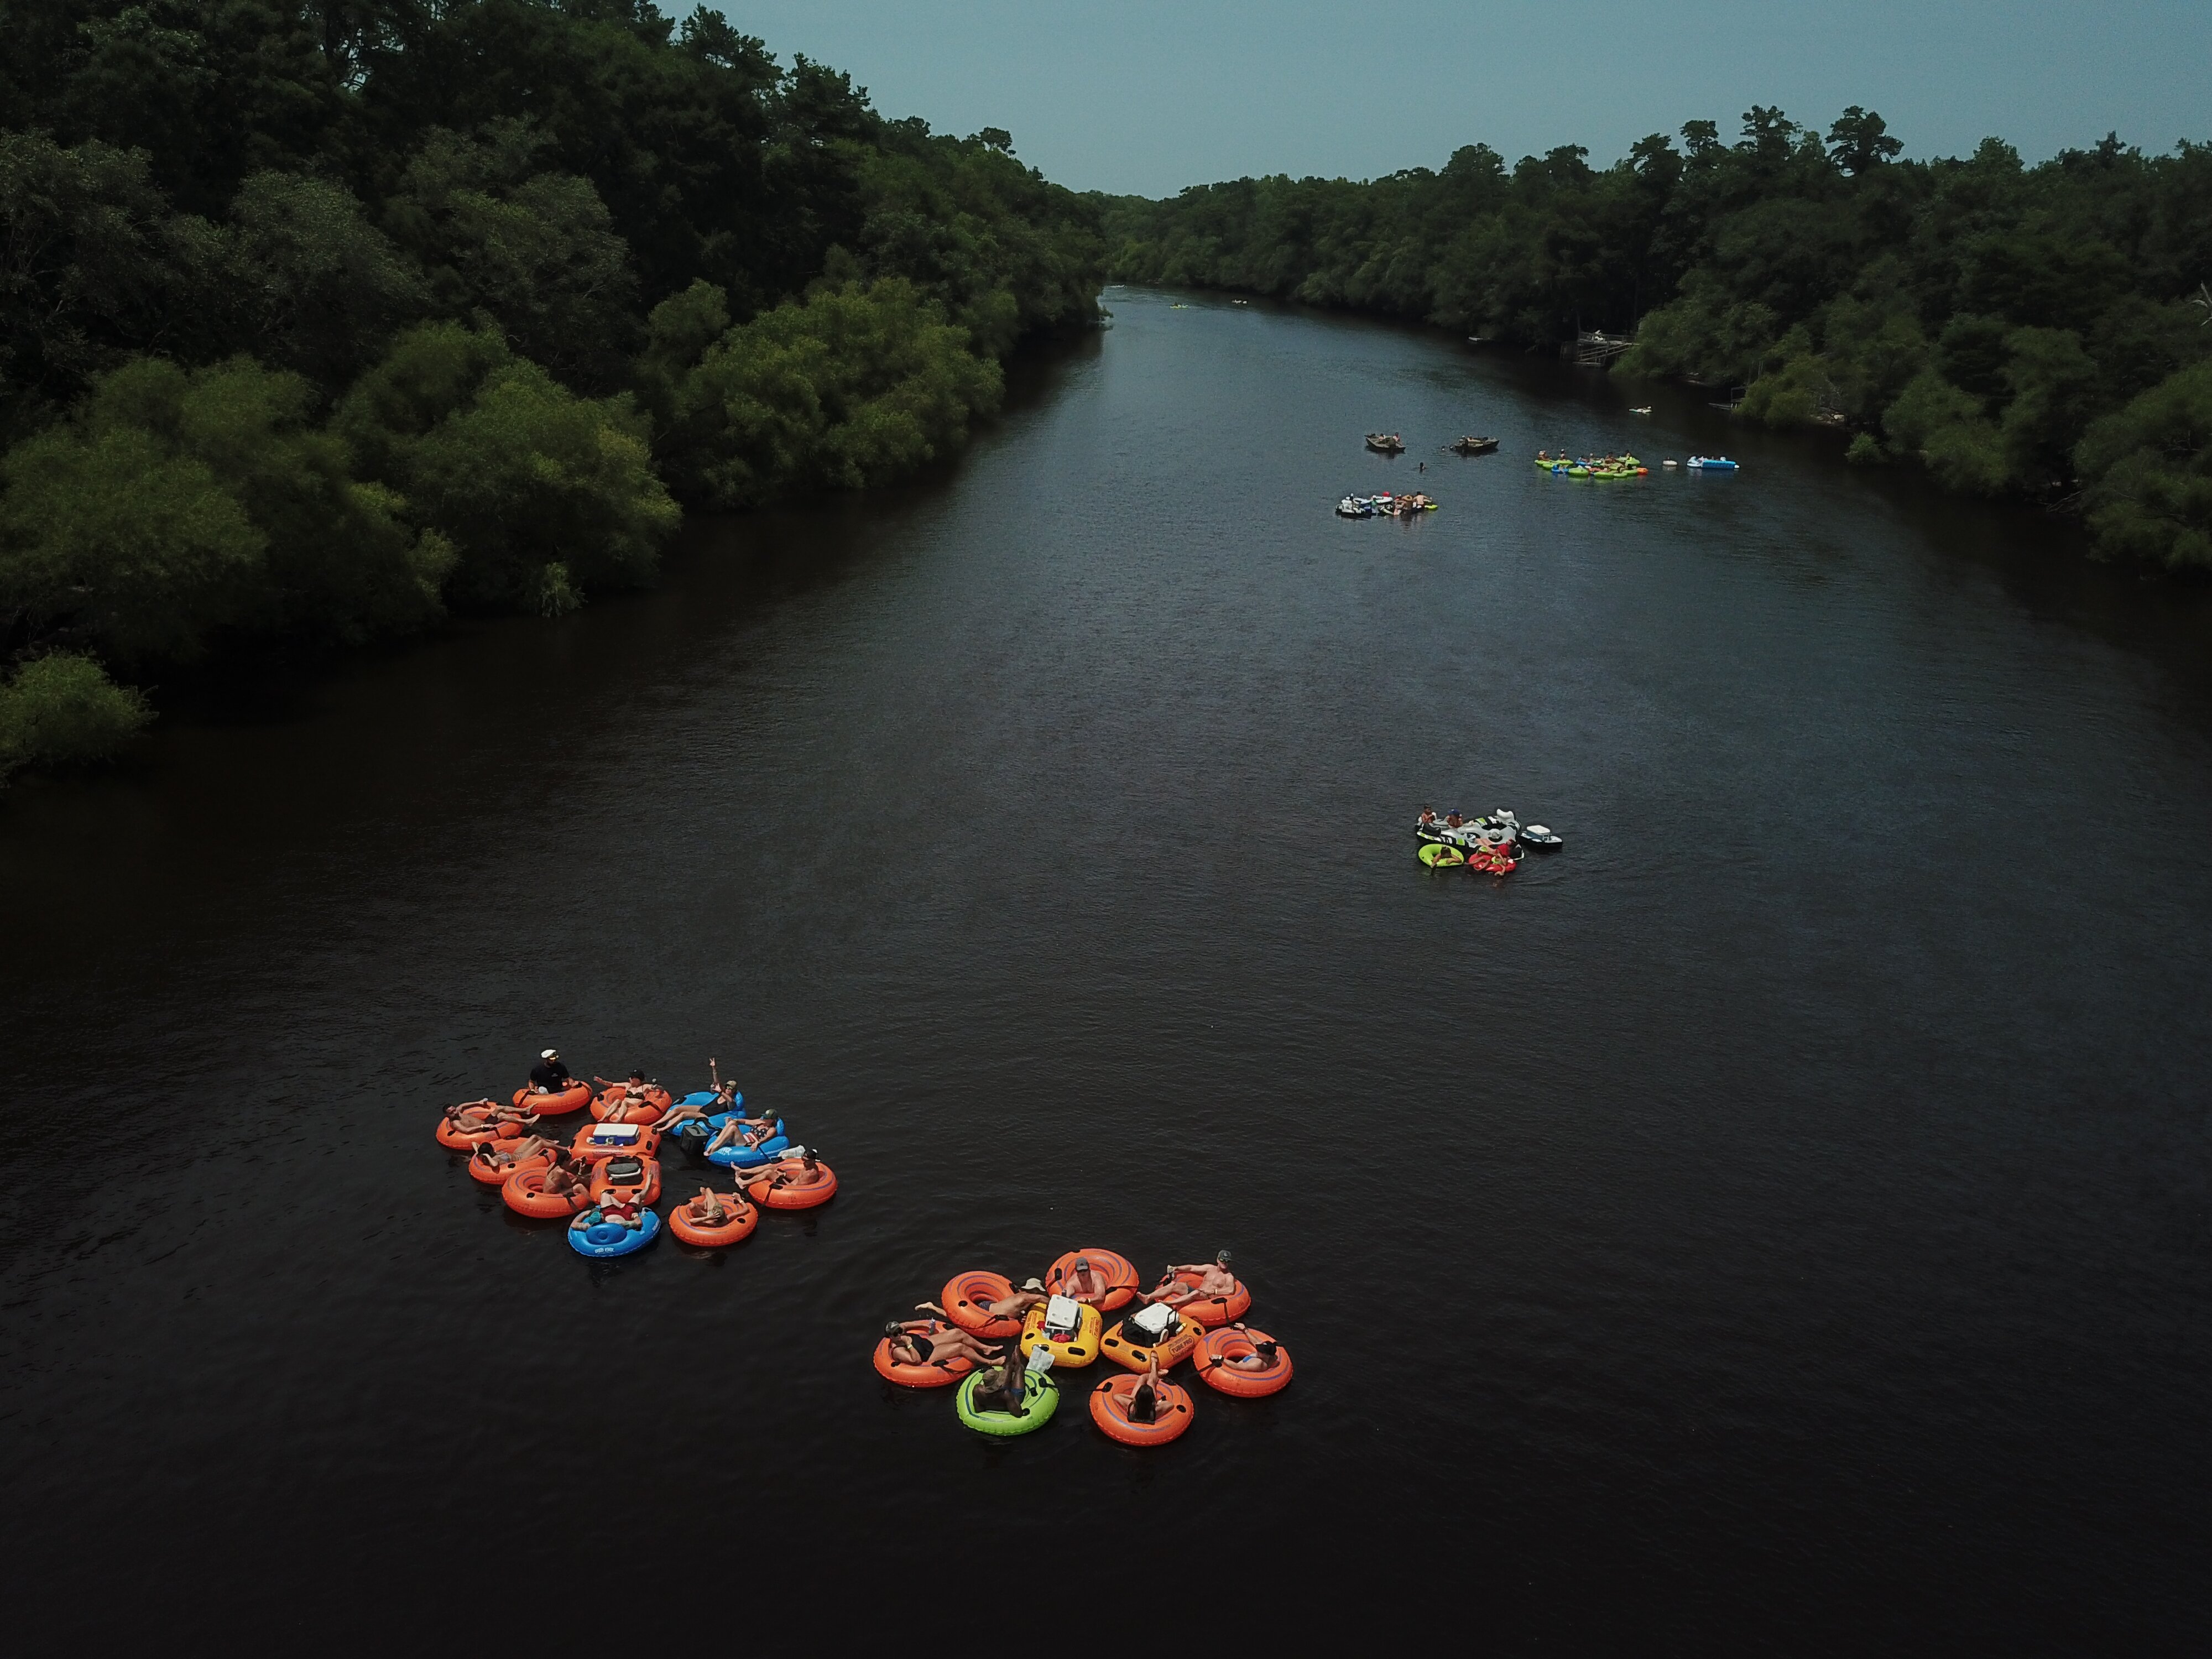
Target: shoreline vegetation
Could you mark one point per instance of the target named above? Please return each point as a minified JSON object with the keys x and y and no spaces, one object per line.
{"x":317,"y":324}
{"x":2033,"y":331}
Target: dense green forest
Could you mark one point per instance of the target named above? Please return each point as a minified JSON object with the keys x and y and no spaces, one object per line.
{"x":2031,"y":329}
{"x":319,"y":319}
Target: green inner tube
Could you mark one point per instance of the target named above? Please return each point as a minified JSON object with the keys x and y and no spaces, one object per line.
{"x":1037,"y":1389}
{"x":1432,"y":855}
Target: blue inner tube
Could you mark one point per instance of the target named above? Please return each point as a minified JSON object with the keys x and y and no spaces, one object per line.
{"x":602,"y":1239}
{"x":744,"y":1158}
{"x":706,"y":1097}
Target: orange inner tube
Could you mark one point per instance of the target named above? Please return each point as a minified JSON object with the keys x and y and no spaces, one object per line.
{"x":646,"y":1191}
{"x":455,"y":1137}
{"x":762,"y":1189}
{"x":966,"y":1295}
{"x":644,"y":1144}
{"x":938,"y":1374}
{"x":1242,"y":1384}
{"x":1126,"y":1347}
{"x":742,"y":1218}
{"x":1116,"y":1270}
{"x":574,"y":1098}
{"x":496,"y":1175}
{"x":1110,"y":1410}
{"x":523,"y":1193}
{"x":1213,"y":1310}
{"x":618,"y":1105}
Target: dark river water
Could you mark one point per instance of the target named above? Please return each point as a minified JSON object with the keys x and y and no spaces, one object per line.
{"x":1776,"y":1223}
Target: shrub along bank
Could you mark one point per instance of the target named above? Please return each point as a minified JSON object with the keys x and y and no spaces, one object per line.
{"x":2032,"y":329}
{"x":317,"y":324}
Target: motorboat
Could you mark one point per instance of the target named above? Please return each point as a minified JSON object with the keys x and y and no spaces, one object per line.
{"x":1386,"y":443}
{"x":1353,"y":507}
{"x":1709,"y":464}
{"x":1474,"y":446}
{"x":1536,"y":835}
{"x":1646,"y":409}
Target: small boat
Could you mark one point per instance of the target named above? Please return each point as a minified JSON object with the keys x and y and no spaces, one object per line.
{"x":1536,"y":835}
{"x":1709,"y":464}
{"x":1646,"y":409}
{"x":1474,"y":446}
{"x":1386,"y":443}
{"x":1670,"y":465}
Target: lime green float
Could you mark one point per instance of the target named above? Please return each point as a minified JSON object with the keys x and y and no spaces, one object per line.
{"x":1039,"y":1394}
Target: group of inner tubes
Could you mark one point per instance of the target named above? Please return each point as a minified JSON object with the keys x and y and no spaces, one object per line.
{"x":606,"y":1181}
{"x":1057,"y":1324}
{"x":1493,"y":843}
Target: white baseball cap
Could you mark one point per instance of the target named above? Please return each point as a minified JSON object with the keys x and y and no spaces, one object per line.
{"x":549,"y":1053}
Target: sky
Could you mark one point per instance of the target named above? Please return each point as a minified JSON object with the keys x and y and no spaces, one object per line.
{"x":1144,"y":97}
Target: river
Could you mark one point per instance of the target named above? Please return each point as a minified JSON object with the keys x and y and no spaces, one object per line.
{"x":1777,"y":1221}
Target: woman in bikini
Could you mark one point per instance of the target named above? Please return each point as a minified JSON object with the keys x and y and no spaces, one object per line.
{"x":929,"y":1342}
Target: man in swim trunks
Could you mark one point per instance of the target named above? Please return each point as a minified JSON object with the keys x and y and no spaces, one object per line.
{"x":1215,"y":1279}
{"x":550,"y":1076}
{"x":930,"y":1342}
{"x":1084,"y":1282}
{"x":810,"y":1173}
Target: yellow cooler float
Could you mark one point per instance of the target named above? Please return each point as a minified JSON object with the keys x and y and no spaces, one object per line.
{"x":1065,"y":1328}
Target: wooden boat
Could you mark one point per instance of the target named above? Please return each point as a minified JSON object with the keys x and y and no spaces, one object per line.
{"x":1474,"y":446}
{"x":1386,"y":443}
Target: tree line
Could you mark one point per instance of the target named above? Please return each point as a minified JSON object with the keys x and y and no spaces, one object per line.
{"x":322,"y":318}
{"x":2039,"y":330}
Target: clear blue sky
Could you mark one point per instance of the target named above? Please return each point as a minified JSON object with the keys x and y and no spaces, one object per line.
{"x":1147,"y":97}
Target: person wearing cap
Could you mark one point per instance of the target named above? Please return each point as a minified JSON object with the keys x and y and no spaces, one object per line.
{"x":776,"y":1177}
{"x":548,"y":1076}
{"x":1215,"y":1279}
{"x":1012,"y":1305}
{"x":1085,"y":1282}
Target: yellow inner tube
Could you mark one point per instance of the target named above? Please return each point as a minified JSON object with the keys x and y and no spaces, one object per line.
{"x":1073,"y":1351}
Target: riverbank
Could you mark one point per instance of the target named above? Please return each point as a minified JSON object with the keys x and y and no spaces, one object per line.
{"x":443,"y":352}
